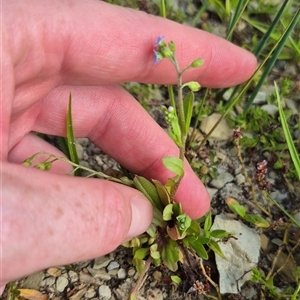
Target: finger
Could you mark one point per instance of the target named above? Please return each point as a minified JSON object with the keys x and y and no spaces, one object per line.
{"x":54,"y":215}
{"x":118,"y":125}
{"x":88,"y":51}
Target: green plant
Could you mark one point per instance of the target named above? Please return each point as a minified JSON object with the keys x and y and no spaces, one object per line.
{"x":171,"y":229}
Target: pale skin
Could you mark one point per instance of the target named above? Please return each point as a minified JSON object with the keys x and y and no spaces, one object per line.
{"x":88,"y":47}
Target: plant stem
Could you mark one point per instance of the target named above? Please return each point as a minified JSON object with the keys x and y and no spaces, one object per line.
{"x":141,"y":280}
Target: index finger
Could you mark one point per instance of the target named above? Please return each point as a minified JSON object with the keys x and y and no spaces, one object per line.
{"x":97,"y":43}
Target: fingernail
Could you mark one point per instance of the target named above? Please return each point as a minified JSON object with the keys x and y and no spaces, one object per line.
{"x":141,"y":216}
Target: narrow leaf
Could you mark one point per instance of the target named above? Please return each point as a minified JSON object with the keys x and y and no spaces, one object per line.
{"x":188,"y":104}
{"x":148,"y":189}
{"x":162,"y":192}
{"x":208,"y":222}
{"x":287,"y":134}
{"x":198,"y":247}
{"x":236,"y":207}
{"x":257,"y":221}
{"x":214,"y":246}
{"x":70,"y":137}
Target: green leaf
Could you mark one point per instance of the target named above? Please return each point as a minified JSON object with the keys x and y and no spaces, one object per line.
{"x":174,"y":164}
{"x":197,"y":246}
{"x":139,"y":265}
{"x":176,"y":279}
{"x":158,"y":218}
{"x":208,"y":222}
{"x":162,"y":192}
{"x":152,"y":230}
{"x":236,"y":207}
{"x":219,"y":234}
{"x":170,"y":255}
{"x":188,"y":104}
{"x":214,"y":246}
{"x":257,"y":221}
{"x":175,"y":132}
{"x":148,"y":189}
{"x":155,"y":255}
{"x":293,"y":152}
{"x":70,"y":137}
{"x":168,"y":212}
{"x":271,"y":57}
{"x":194,"y":228}
{"x":141,"y":253}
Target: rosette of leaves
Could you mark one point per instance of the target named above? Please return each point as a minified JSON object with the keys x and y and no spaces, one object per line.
{"x":171,"y":228}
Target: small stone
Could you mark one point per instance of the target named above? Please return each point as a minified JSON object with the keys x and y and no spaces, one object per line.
{"x":113,"y":272}
{"x":226,"y":96}
{"x":157,"y":275}
{"x":104,"y":292}
{"x":82,"y":141}
{"x":90,"y":293}
{"x":264,"y":241}
{"x":54,"y":272}
{"x":270,"y":109}
{"x":113,"y":265}
{"x":61,"y":283}
{"x":211,"y":192}
{"x":221,"y":180}
{"x":240,"y":179}
{"x":101,"y":262}
{"x":261,"y":97}
{"x":34,"y":281}
{"x":79,"y":150}
{"x":99,"y":160}
{"x":99,"y":273}
{"x":277,"y":242}
{"x":131,"y":272}
{"x":73,"y":276}
{"x":291,"y":104}
{"x":48,"y":282}
{"x":296,"y":216}
{"x":155,"y":294}
{"x":121,"y":273}
{"x":222,"y":131}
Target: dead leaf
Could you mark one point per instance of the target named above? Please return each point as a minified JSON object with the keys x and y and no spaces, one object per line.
{"x":31,"y":294}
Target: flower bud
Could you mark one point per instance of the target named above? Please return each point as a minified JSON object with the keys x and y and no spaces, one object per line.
{"x":197,"y":63}
{"x":172,"y":46}
{"x":193,"y":85}
{"x":166,"y":52}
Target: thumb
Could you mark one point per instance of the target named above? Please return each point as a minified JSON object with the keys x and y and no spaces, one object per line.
{"x":50,"y":219}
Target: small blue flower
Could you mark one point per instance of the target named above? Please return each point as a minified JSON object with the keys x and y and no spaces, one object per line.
{"x":159,"y":40}
{"x":157,"y":55}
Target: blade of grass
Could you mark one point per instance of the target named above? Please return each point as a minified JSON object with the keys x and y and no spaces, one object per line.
{"x":276,"y":49}
{"x":236,"y":17}
{"x":287,"y":134}
{"x":199,"y":13}
{"x":70,"y":137}
{"x":259,"y":47}
{"x":257,"y":50}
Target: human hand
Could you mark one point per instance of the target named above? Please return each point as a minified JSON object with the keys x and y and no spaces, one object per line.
{"x":52,"y":48}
